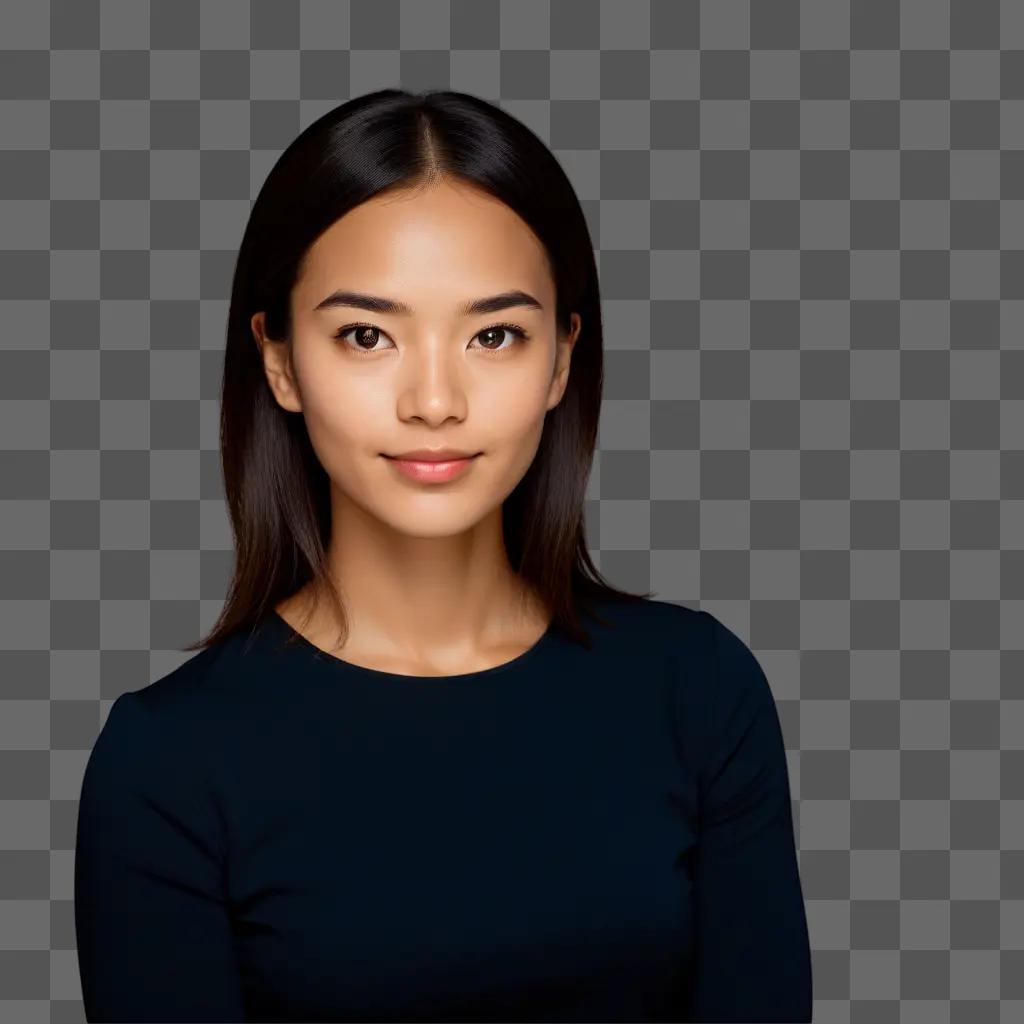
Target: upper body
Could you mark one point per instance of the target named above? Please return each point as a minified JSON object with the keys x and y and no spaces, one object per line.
{"x":271,"y":833}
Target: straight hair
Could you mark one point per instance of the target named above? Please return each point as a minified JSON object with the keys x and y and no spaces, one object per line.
{"x":277,"y":492}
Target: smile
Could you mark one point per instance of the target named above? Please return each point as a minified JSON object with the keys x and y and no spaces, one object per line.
{"x":432,"y":472}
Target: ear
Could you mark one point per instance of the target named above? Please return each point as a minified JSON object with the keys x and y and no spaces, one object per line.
{"x":277,"y":365}
{"x":563,"y":356}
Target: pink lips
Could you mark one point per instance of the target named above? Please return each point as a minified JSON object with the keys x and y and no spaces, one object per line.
{"x":432,"y":472}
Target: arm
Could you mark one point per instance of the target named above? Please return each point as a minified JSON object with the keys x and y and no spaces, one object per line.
{"x":752,"y":955}
{"x":153,"y":932}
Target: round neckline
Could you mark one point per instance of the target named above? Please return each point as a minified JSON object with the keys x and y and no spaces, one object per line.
{"x":283,"y":626}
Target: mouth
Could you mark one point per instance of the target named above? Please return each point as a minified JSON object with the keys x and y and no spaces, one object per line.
{"x":432,"y":470}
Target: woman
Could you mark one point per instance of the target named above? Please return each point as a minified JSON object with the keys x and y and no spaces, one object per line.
{"x":429,"y":765}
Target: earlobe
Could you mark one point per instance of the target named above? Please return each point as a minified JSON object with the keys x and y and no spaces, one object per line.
{"x":558,"y":389}
{"x":558,"y":386}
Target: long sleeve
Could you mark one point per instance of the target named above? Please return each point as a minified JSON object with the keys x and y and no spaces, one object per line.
{"x":153,"y":931}
{"x":752,"y":954}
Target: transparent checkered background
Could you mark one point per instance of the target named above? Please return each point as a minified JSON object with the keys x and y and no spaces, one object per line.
{"x":809,"y":220}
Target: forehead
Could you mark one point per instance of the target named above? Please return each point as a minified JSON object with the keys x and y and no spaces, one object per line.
{"x":435,"y":238}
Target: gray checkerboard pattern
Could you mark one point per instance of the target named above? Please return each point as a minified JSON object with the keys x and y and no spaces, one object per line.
{"x":809,"y":220}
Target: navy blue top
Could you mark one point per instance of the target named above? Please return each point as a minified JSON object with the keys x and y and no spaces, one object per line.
{"x":275,"y":834}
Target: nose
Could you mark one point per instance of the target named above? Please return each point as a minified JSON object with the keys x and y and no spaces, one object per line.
{"x":433,"y":387}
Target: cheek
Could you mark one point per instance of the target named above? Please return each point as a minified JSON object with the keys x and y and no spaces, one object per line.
{"x":511,"y":410}
{"x":342,"y":419}
{"x":513,"y":426}
{"x":519,"y":396}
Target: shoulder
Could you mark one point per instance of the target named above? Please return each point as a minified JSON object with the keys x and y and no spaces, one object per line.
{"x":652,"y":626}
{"x":719,"y":666}
{"x":718,"y":683}
{"x":161,"y":743}
{"x":208,"y":683}
{"x":179,"y":710}
{"x":711,"y":660}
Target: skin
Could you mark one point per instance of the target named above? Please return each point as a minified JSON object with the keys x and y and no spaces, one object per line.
{"x":422,"y":568}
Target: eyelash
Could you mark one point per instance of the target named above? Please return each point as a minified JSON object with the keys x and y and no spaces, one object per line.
{"x":514,"y":329}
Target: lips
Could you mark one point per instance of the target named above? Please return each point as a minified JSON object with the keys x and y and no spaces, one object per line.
{"x":432,"y":470}
{"x":433,"y":455}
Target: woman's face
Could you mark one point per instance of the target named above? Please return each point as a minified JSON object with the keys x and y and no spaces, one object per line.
{"x":373,"y":383}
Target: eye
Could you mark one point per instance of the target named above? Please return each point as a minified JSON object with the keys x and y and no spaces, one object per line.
{"x":367,"y":334}
{"x":517,"y":332}
{"x":367,"y":337}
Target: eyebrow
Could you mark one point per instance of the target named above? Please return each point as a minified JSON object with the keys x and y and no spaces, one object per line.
{"x":475,"y":307}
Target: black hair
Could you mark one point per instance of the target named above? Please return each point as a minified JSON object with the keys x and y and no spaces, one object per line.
{"x":277,"y":491}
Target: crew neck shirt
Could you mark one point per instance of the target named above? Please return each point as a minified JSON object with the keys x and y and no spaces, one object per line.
{"x":272,"y":833}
